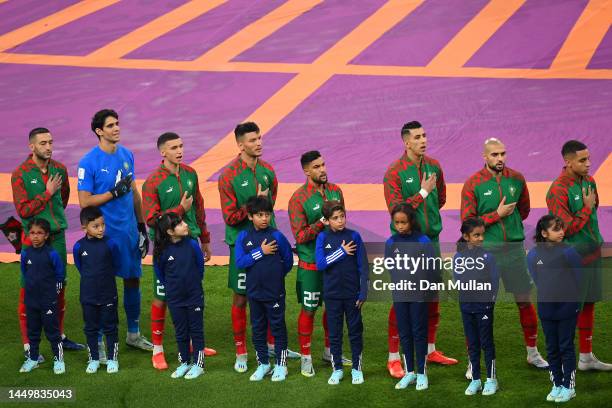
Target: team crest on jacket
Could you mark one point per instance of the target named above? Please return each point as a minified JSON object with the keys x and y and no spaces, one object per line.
{"x":512,"y":190}
{"x":189,"y":183}
{"x":126,"y":165}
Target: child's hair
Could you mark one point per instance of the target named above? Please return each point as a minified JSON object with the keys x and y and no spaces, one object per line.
{"x":42,"y":223}
{"x":468,"y":225}
{"x":545,"y":223}
{"x":410,"y":213}
{"x":89,"y":214}
{"x":166,"y":222}
{"x":257,"y":204}
{"x":330,"y":207}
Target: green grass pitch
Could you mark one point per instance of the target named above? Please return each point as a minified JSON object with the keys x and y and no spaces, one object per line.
{"x":139,"y":385}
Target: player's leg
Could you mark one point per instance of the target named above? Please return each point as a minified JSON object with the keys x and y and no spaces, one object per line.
{"x":394,"y":363}
{"x":335,"y":316}
{"x":158,"y":319}
{"x":195,"y":315}
{"x":50,"y":323}
{"x":308,"y":292}
{"x":487,"y":343}
{"x":131,"y":304}
{"x":259,"y":326}
{"x":180,"y":319}
{"x":276,"y":319}
{"x":236,"y":281}
{"x":419,"y":319}
{"x":553,"y":354}
{"x":354,"y":324}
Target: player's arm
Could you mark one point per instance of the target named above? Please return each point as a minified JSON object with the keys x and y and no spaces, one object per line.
{"x":285,"y":251}
{"x":60,"y":270}
{"x":137,"y":203}
{"x":362,"y":267}
{"x":86,"y":187}
{"x":469,"y":206}
{"x":246,"y":259}
{"x":323,"y":261}
{"x":199,"y":257}
{"x":441,"y":186}
{"x":232,"y":214}
{"x":76,"y":254}
{"x":65,"y":188}
{"x":302,"y":231}
{"x":151,"y":206}
{"x":557,"y":201}
{"x":523,"y":205}
{"x":200,"y":213}
{"x":274,"y":190}
{"x":25,"y":207}
{"x":393,"y":192}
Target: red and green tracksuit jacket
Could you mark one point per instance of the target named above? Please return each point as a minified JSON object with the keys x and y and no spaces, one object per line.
{"x":402,"y":184}
{"x":305,"y":215}
{"x":162,"y":193}
{"x":564,"y":199}
{"x":481,"y":196}
{"x":237,"y":183}
{"x":31,"y":198}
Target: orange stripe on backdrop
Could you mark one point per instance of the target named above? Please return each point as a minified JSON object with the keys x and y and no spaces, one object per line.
{"x":285,"y":100}
{"x":256,"y":31}
{"x":49,"y":23}
{"x":476,"y":33}
{"x":585,"y":37}
{"x":155,"y":29}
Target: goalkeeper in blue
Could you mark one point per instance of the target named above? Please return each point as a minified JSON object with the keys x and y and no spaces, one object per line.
{"x":341,"y":257}
{"x":265,"y":254}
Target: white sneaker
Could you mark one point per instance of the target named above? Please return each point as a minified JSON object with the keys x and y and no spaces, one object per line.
{"x":138,"y":341}
{"x":536,"y":360}
{"x":240,"y":365}
{"x":327,"y":357}
{"x":307,"y":368}
{"x":593,"y":363}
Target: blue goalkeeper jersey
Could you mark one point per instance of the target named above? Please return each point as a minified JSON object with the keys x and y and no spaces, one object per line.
{"x":99,"y":172}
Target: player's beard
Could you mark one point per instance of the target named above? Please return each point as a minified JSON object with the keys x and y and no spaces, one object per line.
{"x":41,"y":158}
{"x":495,"y":169}
{"x":320,"y":182}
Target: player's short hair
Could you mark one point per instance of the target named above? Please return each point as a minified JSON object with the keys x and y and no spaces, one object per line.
{"x":330,"y":207}
{"x":309,"y":157}
{"x":409,"y":126}
{"x":89,"y":214}
{"x":97,"y":122}
{"x":244,"y":128}
{"x":166,"y":137}
{"x":37,"y":131}
{"x":571,"y":147}
{"x":40,"y":222}
{"x":258,"y":204}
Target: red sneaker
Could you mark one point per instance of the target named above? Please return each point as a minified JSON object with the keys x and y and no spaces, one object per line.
{"x":438,"y":357}
{"x":395,"y":368}
{"x":209,"y":352}
{"x":159,"y":361}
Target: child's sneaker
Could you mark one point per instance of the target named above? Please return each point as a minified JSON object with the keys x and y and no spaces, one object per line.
{"x":554,"y":393}
{"x":357,"y":376}
{"x":490,"y":387}
{"x":28,"y":366}
{"x":92,"y":366}
{"x":41,"y":358}
{"x":280,"y":373}
{"x":474,"y":387}
{"x":241,"y":363}
{"x":194,"y":372}
{"x":159,"y":361}
{"x":422,"y":383}
{"x":566,"y":394}
{"x":112,"y":366}
{"x":260,"y":373}
{"x":336,"y":377}
{"x":327,"y":357}
{"x":180,"y":371}
{"x":59,"y":367}
{"x":291,"y":355}
{"x":307,"y":367}
{"x":408,"y":379}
